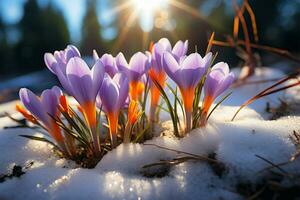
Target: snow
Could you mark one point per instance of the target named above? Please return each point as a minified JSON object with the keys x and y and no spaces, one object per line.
{"x":118,"y":174}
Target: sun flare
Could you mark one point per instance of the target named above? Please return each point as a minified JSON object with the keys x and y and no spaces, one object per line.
{"x":149,"y":5}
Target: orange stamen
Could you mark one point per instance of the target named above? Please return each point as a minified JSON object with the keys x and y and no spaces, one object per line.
{"x":136,"y":89}
{"x":133,"y":112}
{"x":26,"y":114}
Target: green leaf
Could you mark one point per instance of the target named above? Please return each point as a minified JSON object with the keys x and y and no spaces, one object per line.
{"x":139,"y":135}
{"x":41,"y":139}
{"x":176,"y":97}
{"x":171,"y":110}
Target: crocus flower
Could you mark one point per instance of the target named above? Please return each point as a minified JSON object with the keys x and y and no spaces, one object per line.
{"x":137,"y":67}
{"x":27,"y":115}
{"x":157,"y":72}
{"x":42,"y":108}
{"x":84,"y":86}
{"x":113,"y":94}
{"x":186,"y":74}
{"x":217,"y":81}
{"x":108,"y":62}
{"x":57,"y":64}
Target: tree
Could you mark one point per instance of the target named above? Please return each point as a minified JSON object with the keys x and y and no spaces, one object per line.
{"x":91,"y":38}
{"x":42,"y":30}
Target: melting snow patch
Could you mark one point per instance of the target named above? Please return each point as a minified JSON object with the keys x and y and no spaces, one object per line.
{"x":118,"y":176}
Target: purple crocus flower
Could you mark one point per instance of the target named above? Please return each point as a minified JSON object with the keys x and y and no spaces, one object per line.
{"x":217,"y":81}
{"x":57,"y":63}
{"x":137,"y":67}
{"x":163,"y":45}
{"x":186,"y":74}
{"x":113,"y":94}
{"x":43,"y":107}
{"x":84,"y":84}
{"x":157,"y":72}
{"x":108,"y":62}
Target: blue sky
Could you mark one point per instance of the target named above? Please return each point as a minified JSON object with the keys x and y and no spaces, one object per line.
{"x":73,"y":10}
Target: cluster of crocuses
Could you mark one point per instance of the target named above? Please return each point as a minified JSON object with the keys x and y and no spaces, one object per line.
{"x":120,"y":89}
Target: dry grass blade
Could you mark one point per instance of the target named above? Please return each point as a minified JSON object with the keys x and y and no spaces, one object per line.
{"x":253,"y":20}
{"x":236,"y":26}
{"x":174,"y":161}
{"x":257,"y":194}
{"x":204,"y":158}
{"x":210,"y":43}
{"x":239,"y":83}
{"x":278,"y":51}
{"x":270,"y":90}
{"x":272,"y":164}
{"x":239,"y":13}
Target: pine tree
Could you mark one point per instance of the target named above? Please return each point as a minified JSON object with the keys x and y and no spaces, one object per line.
{"x":91,"y":37}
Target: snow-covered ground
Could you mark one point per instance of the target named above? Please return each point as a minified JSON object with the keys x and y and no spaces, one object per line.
{"x":118,"y":176}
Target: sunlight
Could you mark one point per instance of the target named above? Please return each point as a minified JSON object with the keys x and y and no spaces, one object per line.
{"x":149,"y":5}
{"x":146,"y":10}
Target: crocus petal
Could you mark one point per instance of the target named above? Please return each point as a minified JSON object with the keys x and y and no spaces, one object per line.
{"x":158,"y":52}
{"x":62,"y":77}
{"x":139,"y":63}
{"x":171,"y":66}
{"x":180,"y":49}
{"x":218,"y":80}
{"x":97,"y":75}
{"x":57,"y":91}
{"x":206,"y":61}
{"x":226,"y":83}
{"x":33,"y":104}
{"x":212,"y":83}
{"x":50,"y":62}
{"x":109,"y":64}
{"x":166,"y":45}
{"x":109,"y":94}
{"x":79,"y":77}
{"x":121,"y":62}
{"x":123,"y":85}
{"x":71,"y":51}
{"x":60,"y":57}
{"x":49,"y":101}
{"x":188,"y":78}
{"x":221,"y":66}
{"x":192,"y":61}
{"x":137,"y":66}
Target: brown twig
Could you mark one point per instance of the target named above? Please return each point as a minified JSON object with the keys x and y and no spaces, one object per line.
{"x":253,"y":20}
{"x":272,"y":164}
{"x":239,"y":83}
{"x":270,"y":90}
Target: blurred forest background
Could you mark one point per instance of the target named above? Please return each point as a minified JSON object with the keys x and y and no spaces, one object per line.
{"x":29,"y":28}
